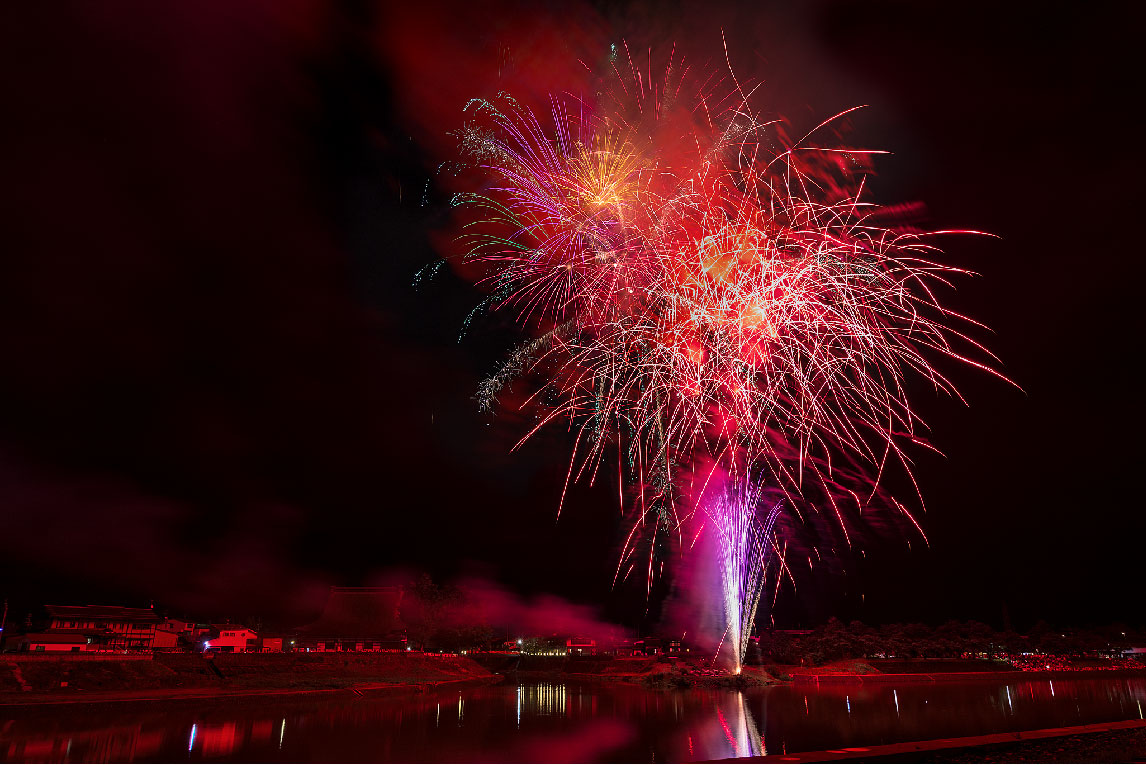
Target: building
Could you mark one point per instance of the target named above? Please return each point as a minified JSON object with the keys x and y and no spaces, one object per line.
{"x":273,"y":643}
{"x":94,"y":628}
{"x":177,"y":626}
{"x":200,"y":632}
{"x":42,"y":642}
{"x":175,"y":635}
{"x":580,"y":646}
{"x":356,"y":619}
{"x":165,"y":640}
{"x":625,"y":648}
{"x":232,"y":638}
{"x":657,"y":646}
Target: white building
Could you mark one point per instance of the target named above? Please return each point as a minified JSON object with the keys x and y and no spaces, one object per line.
{"x":232,"y":639}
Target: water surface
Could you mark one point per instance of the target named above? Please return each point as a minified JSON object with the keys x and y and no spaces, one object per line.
{"x":543,"y":722}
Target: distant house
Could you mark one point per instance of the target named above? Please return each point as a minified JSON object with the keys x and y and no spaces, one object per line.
{"x":356,"y":619}
{"x":178,"y":626}
{"x":657,"y":646}
{"x":53,"y":642}
{"x":232,"y":638}
{"x":201,"y":632}
{"x":581,"y":646}
{"x":165,"y":640}
{"x":651,"y":646}
{"x":626,"y":648}
{"x":94,"y":628}
{"x":175,"y":635}
{"x":272,"y":643}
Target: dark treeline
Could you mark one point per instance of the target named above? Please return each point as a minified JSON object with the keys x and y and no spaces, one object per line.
{"x":441,"y":618}
{"x":835,"y":641}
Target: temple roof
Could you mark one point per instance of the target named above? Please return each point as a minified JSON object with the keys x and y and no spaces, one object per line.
{"x":358,"y":612}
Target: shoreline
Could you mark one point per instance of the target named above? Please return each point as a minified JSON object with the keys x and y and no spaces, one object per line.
{"x":335,"y":676}
{"x":364,"y":690}
{"x":907,"y":750}
{"x":955,"y":677}
{"x":382,"y":689}
{"x":45,"y":682}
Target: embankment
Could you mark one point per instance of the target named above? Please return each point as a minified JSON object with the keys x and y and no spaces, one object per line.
{"x":653,"y":672}
{"x":938,"y":671}
{"x":30,"y":678}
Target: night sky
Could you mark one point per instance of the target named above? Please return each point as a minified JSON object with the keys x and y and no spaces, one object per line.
{"x":221,"y":393}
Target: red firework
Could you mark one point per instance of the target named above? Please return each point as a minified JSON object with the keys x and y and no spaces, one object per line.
{"x":704,"y":293}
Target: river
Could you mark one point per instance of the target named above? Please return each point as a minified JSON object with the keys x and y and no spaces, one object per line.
{"x":565,"y":722}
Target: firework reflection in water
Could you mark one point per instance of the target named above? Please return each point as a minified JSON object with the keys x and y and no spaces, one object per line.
{"x":743,"y":543}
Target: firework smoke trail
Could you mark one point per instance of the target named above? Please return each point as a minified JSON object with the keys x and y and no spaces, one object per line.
{"x":744,"y":543}
{"x":704,"y":290}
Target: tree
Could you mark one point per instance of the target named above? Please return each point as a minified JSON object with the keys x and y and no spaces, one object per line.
{"x":893,"y":640}
{"x":424,"y":609}
{"x":981,"y":638}
{"x":831,"y":641}
{"x":442,"y":618}
{"x":864,"y":640}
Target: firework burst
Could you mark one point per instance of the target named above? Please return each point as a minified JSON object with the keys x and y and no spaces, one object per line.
{"x":703,"y":290}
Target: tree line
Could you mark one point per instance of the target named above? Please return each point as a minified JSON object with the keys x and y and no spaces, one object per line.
{"x":835,"y":641}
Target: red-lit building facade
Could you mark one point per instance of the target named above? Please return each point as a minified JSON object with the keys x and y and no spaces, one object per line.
{"x":580,"y":646}
{"x":78,"y":629}
{"x":232,"y":638}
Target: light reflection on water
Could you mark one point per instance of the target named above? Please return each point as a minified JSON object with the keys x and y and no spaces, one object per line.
{"x":541,"y":722}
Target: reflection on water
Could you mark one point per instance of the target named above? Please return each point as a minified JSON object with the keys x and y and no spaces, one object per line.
{"x":541,"y":699}
{"x":547,"y":722}
{"x":745,"y":738}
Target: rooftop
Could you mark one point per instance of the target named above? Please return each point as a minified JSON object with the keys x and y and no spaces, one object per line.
{"x":106,"y":613}
{"x":358,"y":612}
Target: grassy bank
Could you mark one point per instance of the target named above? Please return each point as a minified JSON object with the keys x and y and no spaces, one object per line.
{"x":938,"y":670}
{"x":21,"y":677}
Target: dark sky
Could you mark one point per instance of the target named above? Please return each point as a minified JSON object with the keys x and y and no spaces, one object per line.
{"x":220,"y":392}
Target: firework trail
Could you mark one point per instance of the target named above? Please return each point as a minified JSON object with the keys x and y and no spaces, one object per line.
{"x":704,"y":290}
{"x":744,"y":543}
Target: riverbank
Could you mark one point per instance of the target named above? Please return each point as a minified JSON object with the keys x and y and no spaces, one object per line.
{"x":695,"y":672}
{"x":361,"y":690}
{"x":33,"y":680}
{"x":41,"y":679}
{"x":651,"y":672}
{"x":38,"y":679}
{"x":861,"y":672}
